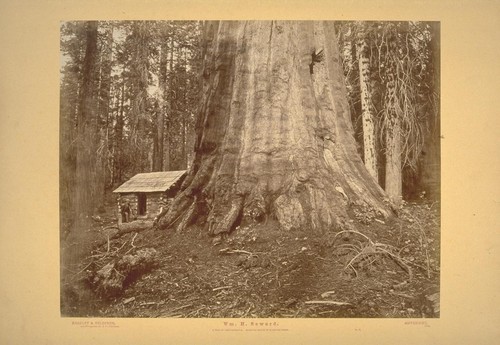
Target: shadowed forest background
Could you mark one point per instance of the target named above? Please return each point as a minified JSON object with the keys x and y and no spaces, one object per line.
{"x":144,"y":93}
{"x":131,"y":102}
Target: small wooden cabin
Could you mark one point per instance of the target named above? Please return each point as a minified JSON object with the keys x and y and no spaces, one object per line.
{"x":148,"y":192}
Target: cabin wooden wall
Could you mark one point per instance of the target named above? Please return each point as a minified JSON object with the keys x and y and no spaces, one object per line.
{"x":153,"y":205}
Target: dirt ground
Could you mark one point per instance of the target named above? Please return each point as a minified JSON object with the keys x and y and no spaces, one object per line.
{"x":370,"y":269}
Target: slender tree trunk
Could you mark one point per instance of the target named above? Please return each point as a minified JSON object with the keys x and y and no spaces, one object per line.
{"x":109,"y":113}
{"x":348,"y":64}
{"x":172,"y":107}
{"x":104,"y":99}
{"x":393,"y":167}
{"x":156,"y":158}
{"x":158,"y":139}
{"x":184,"y":143}
{"x":166,"y":149}
{"x":160,"y":115}
{"x":118,"y":140}
{"x":160,"y":135}
{"x":169,"y":75}
{"x":369,"y":148}
{"x":347,"y":56}
{"x":140,"y":71}
{"x":100,"y":139}
{"x":184,"y":116}
{"x":87,"y":123}
{"x":431,"y":170}
{"x":67,"y":154}
{"x":273,"y":139}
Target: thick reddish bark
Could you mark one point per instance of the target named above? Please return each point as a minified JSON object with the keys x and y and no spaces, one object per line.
{"x":273,"y":139}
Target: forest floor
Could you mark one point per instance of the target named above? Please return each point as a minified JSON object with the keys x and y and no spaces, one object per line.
{"x":378,"y":270}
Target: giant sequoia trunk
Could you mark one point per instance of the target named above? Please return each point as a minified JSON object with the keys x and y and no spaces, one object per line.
{"x":274,"y":136}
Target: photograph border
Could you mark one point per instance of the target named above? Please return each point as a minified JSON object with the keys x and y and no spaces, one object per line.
{"x":29,"y":222}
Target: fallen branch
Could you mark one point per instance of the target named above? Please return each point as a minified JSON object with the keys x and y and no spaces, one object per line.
{"x":83,"y":269}
{"x":354,"y":232}
{"x":181,"y":307}
{"x":111,"y":227}
{"x":350,"y":246}
{"x":195,"y":312}
{"x":132,"y":246}
{"x":147,"y":303}
{"x":352,"y":267}
{"x":222,"y":288}
{"x":402,"y":295}
{"x":399,"y":261}
{"x":132,"y":242}
{"x":235,"y":251}
{"x":126,"y":228}
{"x":327,"y":293}
{"x":328,"y":302}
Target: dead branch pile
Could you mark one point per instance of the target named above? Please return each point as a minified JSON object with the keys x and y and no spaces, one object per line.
{"x":111,"y":279}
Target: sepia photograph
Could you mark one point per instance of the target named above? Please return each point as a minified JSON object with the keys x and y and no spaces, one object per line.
{"x":250,"y":169}
{"x":249,"y":172}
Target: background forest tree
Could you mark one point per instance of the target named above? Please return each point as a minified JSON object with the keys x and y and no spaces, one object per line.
{"x":129,"y":100}
{"x":392,"y":76}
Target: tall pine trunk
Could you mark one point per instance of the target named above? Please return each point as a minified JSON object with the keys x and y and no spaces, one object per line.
{"x":184,"y":119}
{"x":393,"y":144}
{"x":160,"y":113}
{"x":170,"y":106}
{"x":118,"y":154}
{"x":87,"y":129}
{"x":172,"y":102}
{"x":104,"y":100}
{"x":140,"y":72}
{"x":431,"y":169}
{"x":158,"y":138}
{"x":273,"y":139}
{"x":369,"y":148}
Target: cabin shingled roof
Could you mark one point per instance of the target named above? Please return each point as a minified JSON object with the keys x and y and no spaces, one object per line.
{"x":150,"y":182}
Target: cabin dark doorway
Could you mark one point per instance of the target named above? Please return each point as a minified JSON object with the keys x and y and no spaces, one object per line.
{"x":141,"y":204}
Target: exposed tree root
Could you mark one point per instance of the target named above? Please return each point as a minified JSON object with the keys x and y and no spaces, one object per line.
{"x":228,"y":221}
{"x":175,"y":211}
{"x":190,"y":190}
{"x":188,"y":217}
